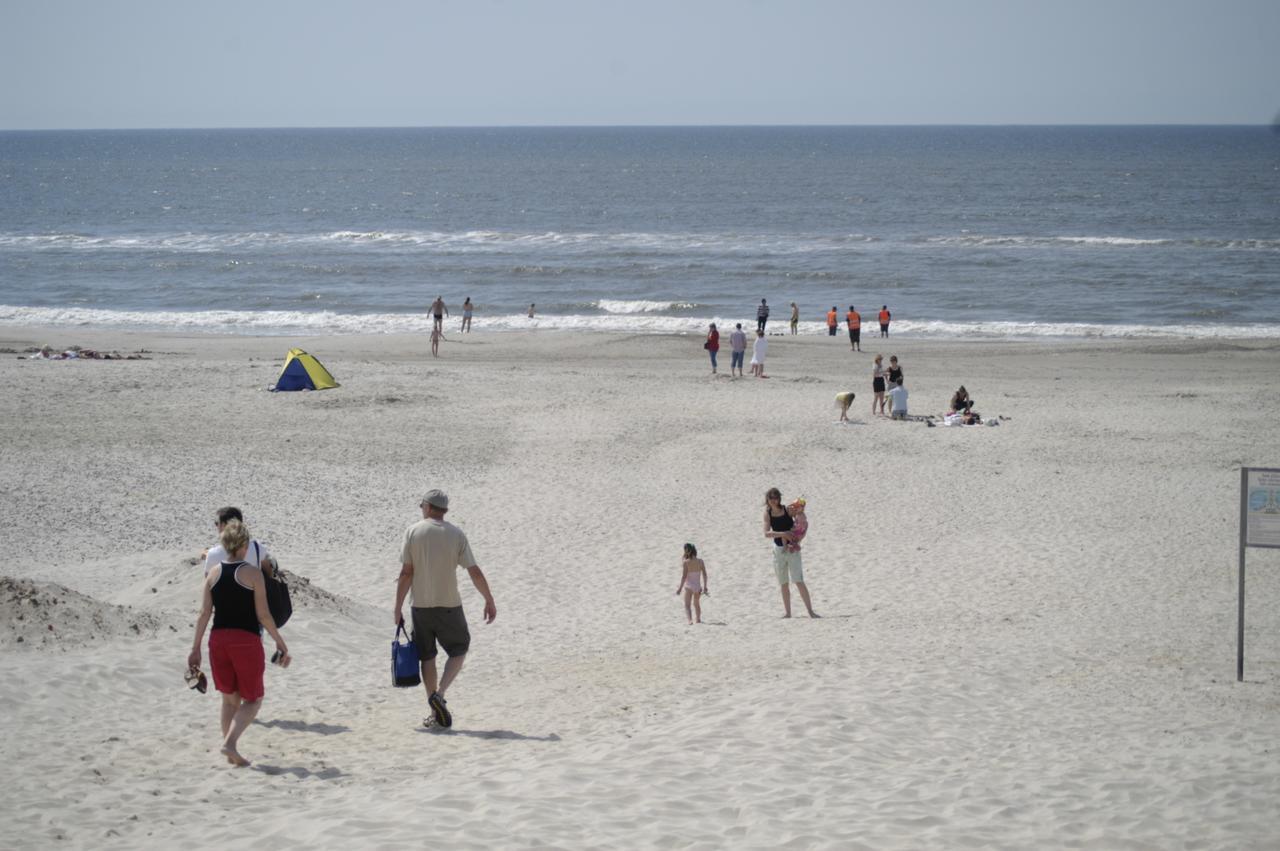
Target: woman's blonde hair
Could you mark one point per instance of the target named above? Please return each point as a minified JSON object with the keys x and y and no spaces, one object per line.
{"x":234,"y":537}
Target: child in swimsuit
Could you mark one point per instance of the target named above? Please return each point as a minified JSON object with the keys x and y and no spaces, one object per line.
{"x":693,"y":582}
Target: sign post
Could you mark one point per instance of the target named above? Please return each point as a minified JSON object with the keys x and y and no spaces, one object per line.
{"x":1259,"y":527}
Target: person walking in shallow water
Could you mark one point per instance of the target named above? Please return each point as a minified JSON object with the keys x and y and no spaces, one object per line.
{"x":438,"y":312}
{"x":787,"y":565}
{"x":467,"y":307}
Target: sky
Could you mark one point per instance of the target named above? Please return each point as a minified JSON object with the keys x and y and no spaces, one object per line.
{"x":412,"y":63}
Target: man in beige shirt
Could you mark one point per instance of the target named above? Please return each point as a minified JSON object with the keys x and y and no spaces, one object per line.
{"x":432,"y":553}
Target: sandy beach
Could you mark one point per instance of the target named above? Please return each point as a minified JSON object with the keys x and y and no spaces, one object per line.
{"x":1027,"y":635}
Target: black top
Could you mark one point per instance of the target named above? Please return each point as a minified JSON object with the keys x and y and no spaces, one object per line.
{"x":780,"y":524}
{"x":233,"y":603}
{"x":895,"y":374}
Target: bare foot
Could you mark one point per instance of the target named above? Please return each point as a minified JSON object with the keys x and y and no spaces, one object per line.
{"x":233,"y":757}
{"x":814,"y":614}
{"x":787,"y":615}
{"x":699,"y":620}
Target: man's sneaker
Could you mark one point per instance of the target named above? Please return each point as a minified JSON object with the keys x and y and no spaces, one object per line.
{"x":439,"y":710}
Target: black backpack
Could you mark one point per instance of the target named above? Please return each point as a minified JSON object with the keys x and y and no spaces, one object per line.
{"x":278,"y":602}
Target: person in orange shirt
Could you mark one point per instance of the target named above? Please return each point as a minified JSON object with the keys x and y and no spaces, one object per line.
{"x":854,"y":320}
{"x":884,"y":320}
{"x":832,"y":321}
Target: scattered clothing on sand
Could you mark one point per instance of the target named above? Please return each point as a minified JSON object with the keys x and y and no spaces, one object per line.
{"x":77,"y":353}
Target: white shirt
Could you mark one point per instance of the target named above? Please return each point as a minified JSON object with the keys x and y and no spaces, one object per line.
{"x":254,"y":556}
{"x":898,"y":396}
{"x":761,"y":345}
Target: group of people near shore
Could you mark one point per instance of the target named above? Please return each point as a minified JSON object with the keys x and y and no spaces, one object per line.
{"x":853,"y":320}
{"x":738,"y":350}
{"x":439,"y":310}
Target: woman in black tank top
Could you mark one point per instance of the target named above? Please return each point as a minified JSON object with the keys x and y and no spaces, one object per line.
{"x":778,"y":524}
{"x":235,"y":598}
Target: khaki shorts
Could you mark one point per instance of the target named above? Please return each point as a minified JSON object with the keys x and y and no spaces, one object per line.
{"x":787,"y":566}
{"x":446,"y":625}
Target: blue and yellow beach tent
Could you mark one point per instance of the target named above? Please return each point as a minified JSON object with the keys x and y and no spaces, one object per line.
{"x":303,"y":372}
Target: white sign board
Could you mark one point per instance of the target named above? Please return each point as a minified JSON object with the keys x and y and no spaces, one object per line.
{"x":1262,"y":507}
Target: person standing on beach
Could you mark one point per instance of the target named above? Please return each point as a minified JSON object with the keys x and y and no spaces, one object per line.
{"x":712,"y":345}
{"x":787,"y":565}
{"x":466,"y":315}
{"x":884,"y":320}
{"x":877,"y":385}
{"x":762,"y":315}
{"x":438,"y":312}
{"x":436,"y":336}
{"x":854,"y":320}
{"x":895,"y":371}
{"x":258,"y":556}
{"x":758,"y":351}
{"x":432,"y":552}
{"x":795,"y":318}
{"x":738,"y":345}
{"x":693,"y":582}
{"x":234,"y":595}
{"x":833,"y":320}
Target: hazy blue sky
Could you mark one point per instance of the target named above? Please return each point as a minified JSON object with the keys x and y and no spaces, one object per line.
{"x":173,"y":63}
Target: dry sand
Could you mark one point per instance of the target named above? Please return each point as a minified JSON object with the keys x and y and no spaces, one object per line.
{"x":1028,"y":632}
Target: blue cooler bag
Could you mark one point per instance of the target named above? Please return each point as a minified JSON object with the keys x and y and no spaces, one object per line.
{"x":404,"y":661}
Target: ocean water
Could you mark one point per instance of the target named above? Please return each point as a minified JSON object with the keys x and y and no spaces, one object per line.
{"x":961,"y":231}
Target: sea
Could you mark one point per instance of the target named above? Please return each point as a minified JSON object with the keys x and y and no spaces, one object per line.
{"x":962,"y":232}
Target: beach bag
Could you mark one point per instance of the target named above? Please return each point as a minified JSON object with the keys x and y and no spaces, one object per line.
{"x":278,"y":601}
{"x":404,"y":661}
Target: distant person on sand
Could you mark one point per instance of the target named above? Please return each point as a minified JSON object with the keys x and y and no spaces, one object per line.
{"x":877,"y":386}
{"x":884,"y":320}
{"x":854,"y":319}
{"x":531,"y":307}
{"x":693,"y":582}
{"x":438,"y":313}
{"x":436,"y":336}
{"x":432,"y":552}
{"x":235,"y":597}
{"x":960,"y":401}
{"x":758,"y":351}
{"x":762,"y":315}
{"x":738,"y":343}
{"x":795,"y":318}
{"x":712,"y":345}
{"x":843,"y":401}
{"x":258,"y":556}
{"x":898,"y":401}
{"x":833,"y":321}
{"x":787,"y":565}
{"x":466,"y":315}
{"x":896,"y":375}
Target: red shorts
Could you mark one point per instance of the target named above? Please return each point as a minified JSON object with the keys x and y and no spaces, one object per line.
{"x":237,"y":661}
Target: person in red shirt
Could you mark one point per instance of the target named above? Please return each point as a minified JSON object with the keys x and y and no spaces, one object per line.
{"x":854,"y":320}
{"x":884,"y":320}
{"x":712,"y":345}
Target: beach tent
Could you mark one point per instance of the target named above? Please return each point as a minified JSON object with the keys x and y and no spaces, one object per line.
{"x":303,"y":372}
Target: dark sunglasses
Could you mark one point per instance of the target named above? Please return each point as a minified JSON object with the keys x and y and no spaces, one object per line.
{"x":195,"y":679}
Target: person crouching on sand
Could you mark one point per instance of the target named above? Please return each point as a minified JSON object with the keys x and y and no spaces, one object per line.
{"x":844,"y":400}
{"x":235,"y":596}
{"x":693,"y":582}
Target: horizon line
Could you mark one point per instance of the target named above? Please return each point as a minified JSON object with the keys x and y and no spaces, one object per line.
{"x":1011,"y":124}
